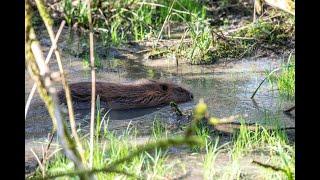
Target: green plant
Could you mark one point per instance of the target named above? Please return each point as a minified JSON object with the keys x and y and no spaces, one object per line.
{"x":130,"y":19}
{"x":200,"y":33}
{"x":158,"y":129}
{"x":209,"y":159}
{"x":285,"y":79}
{"x":97,"y":61}
{"x":68,"y":10}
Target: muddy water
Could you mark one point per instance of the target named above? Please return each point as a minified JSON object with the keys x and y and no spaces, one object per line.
{"x":225,"y":87}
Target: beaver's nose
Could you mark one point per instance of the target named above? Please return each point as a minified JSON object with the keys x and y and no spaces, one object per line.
{"x":191,"y":96}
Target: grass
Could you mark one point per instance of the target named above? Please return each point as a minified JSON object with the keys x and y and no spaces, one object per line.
{"x":208,"y":44}
{"x":200,"y":33}
{"x":264,"y":32}
{"x":133,"y":20}
{"x":272,"y":146}
{"x":285,"y":79}
{"x":159,"y":129}
{"x":124,"y":20}
{"x":86,"y":61}
{"x":209,"y":160}
{"x":112,"y":148}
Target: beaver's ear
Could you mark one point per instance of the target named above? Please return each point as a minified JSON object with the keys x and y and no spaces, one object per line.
{"x":164,"y":87}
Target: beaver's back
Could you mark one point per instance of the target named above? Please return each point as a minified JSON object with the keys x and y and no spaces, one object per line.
{"x":134,"y":95}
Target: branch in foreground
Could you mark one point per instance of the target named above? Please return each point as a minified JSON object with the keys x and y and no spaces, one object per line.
{"x":34,"y":87}
{"x":93,"y":82}
{"x":40,"y":73}
{"x":48,"y":23}
{"x":178,"y":141}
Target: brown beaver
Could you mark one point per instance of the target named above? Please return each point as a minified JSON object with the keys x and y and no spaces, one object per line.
{"x":142,"y":94}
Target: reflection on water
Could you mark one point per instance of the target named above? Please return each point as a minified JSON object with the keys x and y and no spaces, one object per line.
{"x":226,"y":88}
{"x":83,"y":108}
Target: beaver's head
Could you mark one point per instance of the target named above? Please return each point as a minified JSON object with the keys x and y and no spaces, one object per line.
{"x":171,"y":92}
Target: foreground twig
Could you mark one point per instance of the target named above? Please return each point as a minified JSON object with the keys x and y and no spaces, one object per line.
{"x":85,"y":172}
{"x":48,"y":23}
{"x":45,"y":156}
{"x":93,"y":81}
{"x":40,"y":73}
{"x":178,"y":141}
{"x":34,"y":87}
{"x":175,"y":108}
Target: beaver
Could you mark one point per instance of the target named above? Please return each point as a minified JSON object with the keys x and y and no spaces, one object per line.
{"x":141,"y":94}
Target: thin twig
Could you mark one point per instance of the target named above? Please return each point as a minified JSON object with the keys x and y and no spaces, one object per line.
{"x":93,"y":82}
{"x":269,"y":166}
{"x":93,"y":171}
{"x":48,"y":23}
{"x":39,"y":162}
{"x":45,"y":156}
{"x":40,"y":73}
{"x":34,"y":87}
{"x":254,"y":93}
{"x":290,"y":109}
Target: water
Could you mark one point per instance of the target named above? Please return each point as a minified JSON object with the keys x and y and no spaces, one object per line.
{"x":225,"y":87}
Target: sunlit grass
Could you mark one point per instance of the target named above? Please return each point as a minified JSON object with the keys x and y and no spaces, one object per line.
{"x":131,"y":20}
{"x":209,"y":159}
{"x":111,"y":146}
{"x":285,"y":79}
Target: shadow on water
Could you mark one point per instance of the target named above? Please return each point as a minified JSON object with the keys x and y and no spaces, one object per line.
{"x":83,"y":108}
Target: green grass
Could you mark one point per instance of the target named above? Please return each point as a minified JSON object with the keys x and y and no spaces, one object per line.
{"x":200,"y":33}
{"x":159,"y":129}
{"x":272,"y":146}
{"x":112,"y":147}
{"x":86,"y":61}
{"x":133,"y":20}
{"x":124,"y":20}
{"x":209,"y":159}
{"x":285,"y":79}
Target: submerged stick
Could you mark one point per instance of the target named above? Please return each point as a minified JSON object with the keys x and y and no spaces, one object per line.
{"x":254,"y":93}
{"x":269,"y":166}
{"x":290,"y":109}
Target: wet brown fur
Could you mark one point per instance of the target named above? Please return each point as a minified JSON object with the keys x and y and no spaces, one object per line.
{"x":141,"y":94}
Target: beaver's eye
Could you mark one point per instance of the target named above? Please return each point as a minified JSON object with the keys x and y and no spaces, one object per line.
{"x":164,"y":87}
